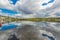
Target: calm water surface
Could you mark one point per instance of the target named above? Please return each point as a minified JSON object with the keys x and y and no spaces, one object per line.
{"x":51,"y":30}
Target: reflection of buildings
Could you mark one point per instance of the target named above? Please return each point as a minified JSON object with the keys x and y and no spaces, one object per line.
{"x":6,"y":19}
{"x":2,"y":19}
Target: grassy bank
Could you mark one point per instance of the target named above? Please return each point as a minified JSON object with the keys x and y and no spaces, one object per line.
{"x":37,"y":19}
{"x":31,"y":19}
{"x":41,"y":19}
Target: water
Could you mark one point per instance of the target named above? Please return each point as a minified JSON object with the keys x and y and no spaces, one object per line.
{"x":51,"y":38}
{"x":9,"y":26}
{"x":49,"y":30}
{"x":51,"y":27}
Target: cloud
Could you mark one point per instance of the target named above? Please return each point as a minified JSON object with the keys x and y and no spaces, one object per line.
{"x":31,"y":8}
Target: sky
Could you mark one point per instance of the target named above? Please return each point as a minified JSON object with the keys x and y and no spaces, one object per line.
{"x":30,"y":8}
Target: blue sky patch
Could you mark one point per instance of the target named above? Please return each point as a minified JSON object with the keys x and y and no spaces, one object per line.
{"x":51,"y":1}
{"x":7,"y":11}
{"x":14,"y":1}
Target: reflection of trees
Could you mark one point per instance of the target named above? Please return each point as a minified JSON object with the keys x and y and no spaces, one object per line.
{"x":13,"y":37}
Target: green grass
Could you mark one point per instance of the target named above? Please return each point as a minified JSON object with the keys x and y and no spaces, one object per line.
{"x":33,"y":19}
{"x":42,"y":19}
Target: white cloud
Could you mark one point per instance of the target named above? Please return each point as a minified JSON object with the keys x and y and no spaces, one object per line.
{"x":31,"y":6}
{"x":5,"y":4}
